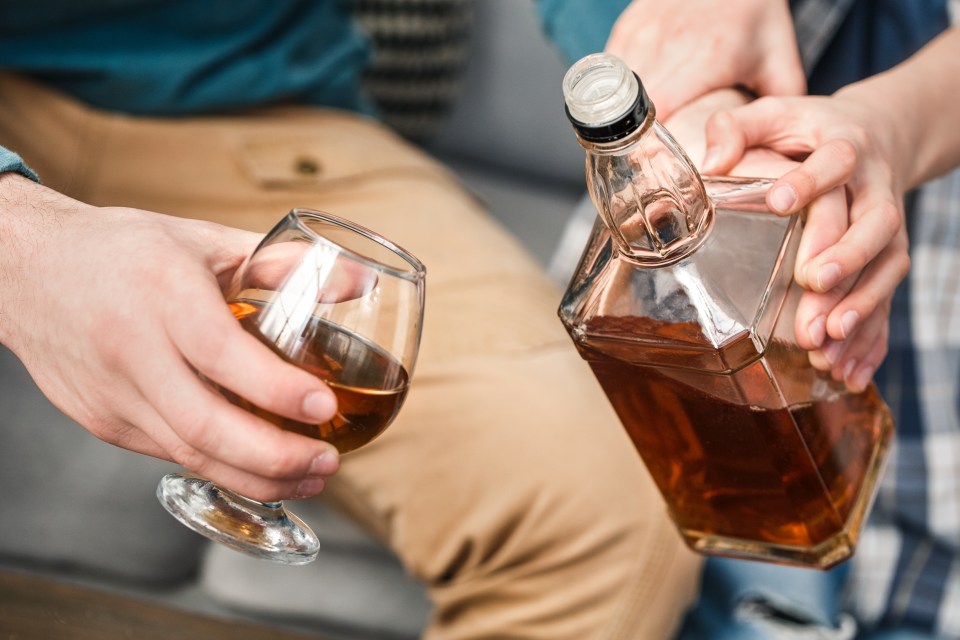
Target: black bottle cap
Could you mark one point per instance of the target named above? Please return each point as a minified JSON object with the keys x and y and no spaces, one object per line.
{"x":619,"y":128}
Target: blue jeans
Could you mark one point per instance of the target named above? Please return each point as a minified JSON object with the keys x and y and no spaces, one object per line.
{"x":741,"y":600}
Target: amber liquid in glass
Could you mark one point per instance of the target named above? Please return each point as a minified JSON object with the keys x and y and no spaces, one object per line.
{"x":789,"y":476}
{"x":369,"y":383}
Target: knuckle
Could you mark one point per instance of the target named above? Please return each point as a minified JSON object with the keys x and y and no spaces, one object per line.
{"x":718,"y":123}
{"x":901,"y":265}
{"x":189,"y":458}
{"x":282,"y":463}
{"x":196,"y":429}
{"x":113,"y":330}
{"x":887,"y":215}
{"x":103,"y":428}
{"x":844,"y":154}
{"x":803,"y":182}
{"x":886,"y":174}
{"x":859,"y":137}
{"x":858,"y":256}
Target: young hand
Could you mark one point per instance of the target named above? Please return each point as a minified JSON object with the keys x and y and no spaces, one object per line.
{"x":851,"y":258}
{"x":117,"y":313}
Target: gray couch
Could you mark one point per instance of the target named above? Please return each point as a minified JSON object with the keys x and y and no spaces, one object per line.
{"x":85,"y":511}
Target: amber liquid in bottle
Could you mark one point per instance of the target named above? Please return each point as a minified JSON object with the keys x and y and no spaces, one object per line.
{"x":683,"y":304}
{"x":789,"y":477}
{"x":370,"y":384}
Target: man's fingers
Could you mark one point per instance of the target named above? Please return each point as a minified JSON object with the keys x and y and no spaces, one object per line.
{"x":826,"y":222}
{"x":871,"y":293}
{"x":854,"y":361}
{"x":827,"y":167}
{"x":130,"y":435}
{"x":849,"y":322}
{"x":209,"y":428}
{"x":876,"y":219}
{"x":760,"y":123}
{"x":242,"y":481}
{"x":214,"y":343}
{"x":863,"y":352}
{"x":858,"y":373}
{"x":726,"y":143}
{"x":813,"y":311}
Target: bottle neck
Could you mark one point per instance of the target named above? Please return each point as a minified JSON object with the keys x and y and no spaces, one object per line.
{"x":643,"y":184}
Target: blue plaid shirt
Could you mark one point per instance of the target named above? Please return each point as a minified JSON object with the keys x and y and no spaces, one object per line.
{"x":904,"y":580}
{"x":906,"y":572}
{"x":907,"y":567}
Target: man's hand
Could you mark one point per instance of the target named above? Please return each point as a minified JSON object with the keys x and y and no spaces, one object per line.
{"x":117,"y":313}
{"x":684,"y":50}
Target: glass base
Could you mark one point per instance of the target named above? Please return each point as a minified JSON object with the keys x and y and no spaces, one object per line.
{"x":824,"y":556}
{"x":260,"y":529}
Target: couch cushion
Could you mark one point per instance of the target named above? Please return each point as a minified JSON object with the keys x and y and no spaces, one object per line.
{"x":73,"y":501}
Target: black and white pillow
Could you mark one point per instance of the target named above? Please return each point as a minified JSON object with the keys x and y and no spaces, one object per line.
{"x":419,"y":52}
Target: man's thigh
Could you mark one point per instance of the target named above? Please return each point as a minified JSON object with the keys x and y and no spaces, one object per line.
{"x":506,"y":482}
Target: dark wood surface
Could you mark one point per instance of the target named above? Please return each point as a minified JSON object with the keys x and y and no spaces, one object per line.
{"x":41,"y":608}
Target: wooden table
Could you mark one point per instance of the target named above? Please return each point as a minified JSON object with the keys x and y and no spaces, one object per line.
{"x":40,"y":608}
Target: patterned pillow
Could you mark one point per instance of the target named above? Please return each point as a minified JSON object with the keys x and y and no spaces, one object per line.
{"x":419,"y":52}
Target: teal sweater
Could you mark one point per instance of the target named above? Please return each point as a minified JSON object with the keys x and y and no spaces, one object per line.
{"x":178,"y":57}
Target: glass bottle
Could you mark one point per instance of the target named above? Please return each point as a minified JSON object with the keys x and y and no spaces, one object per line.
{"x":683,"y":305}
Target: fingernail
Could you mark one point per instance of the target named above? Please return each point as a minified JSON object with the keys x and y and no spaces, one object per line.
{"x":848,"y":322}
{"x":832,"y":351}
{"x":318,"y":406}
{"x":310,"y":487}
{"x":817,"y":331}
{"x":324,"y":464}
{"x":861,"y":378}
{"x":828,"y":276}
{"x":819,"y":361}
{"x":783,"y":198}
{"x":848,"y":369}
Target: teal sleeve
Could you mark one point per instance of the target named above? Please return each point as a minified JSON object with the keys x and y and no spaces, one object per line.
{"x":9,"y":161}
{"x":579,"y":27}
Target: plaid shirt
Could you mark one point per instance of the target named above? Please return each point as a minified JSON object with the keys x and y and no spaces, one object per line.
{"x":906,"y":571}
{"x":907,"y":567}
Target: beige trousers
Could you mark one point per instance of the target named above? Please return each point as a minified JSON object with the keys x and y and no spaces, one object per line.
{"x":506,"y":483}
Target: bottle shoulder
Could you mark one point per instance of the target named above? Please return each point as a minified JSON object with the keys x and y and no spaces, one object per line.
{"x":713,"y":309}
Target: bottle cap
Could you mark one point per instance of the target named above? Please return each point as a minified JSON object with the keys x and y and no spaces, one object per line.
{"x":604,"y":99}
